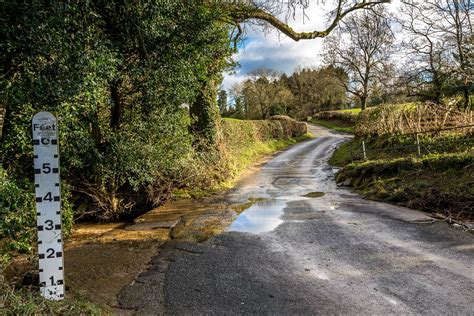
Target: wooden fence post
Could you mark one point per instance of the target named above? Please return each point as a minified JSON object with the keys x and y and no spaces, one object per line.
{"x":363,"y":150}
{"x":418,"y":145}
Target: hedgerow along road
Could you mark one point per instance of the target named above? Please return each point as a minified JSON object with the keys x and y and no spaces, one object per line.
{"x":308,"y":247}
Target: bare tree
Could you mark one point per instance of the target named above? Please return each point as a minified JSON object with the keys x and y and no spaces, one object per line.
{"x":439,"y":42}
{"x":426,"y":63}
{"x":455,"y":24}
{"x":361,"y":47}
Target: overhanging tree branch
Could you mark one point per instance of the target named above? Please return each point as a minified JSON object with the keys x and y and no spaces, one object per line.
{"x":243,"y":11}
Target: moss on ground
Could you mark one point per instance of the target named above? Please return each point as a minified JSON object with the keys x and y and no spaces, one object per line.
{"x":342,"y":155}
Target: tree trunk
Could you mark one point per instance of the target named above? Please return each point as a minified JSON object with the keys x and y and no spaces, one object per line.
{"x":205,"y":112}
{"x":437,"y":93}
{"x":117,"y":107}
{"x":95,"y":130}
{"x":262,"y":110}
{"x":363,"y":102}
{"x":2,"y":118}
{"x":466,"y":97}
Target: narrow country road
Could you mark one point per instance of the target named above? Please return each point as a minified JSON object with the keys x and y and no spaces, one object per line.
{"x":308,"y":247}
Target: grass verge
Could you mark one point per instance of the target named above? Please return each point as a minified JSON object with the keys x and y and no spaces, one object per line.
{"x":250,"y":155}
{"x":437,"y":182}
{"x":241,"y":159}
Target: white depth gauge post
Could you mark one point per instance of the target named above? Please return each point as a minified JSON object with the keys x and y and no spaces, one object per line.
{"x":48,"y":205}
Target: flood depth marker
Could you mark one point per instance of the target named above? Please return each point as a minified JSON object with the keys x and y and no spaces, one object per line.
{"x":48,"y":205}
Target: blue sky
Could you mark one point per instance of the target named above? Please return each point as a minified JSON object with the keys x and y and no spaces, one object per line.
{"x":276,"y":51}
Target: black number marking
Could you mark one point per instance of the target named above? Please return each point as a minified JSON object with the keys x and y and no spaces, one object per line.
{"x":49,"y":224}
{"x":48,"y":197}
{"x":50,"y":252}
{"x":46,"y":167}
{"x":52,"y":280}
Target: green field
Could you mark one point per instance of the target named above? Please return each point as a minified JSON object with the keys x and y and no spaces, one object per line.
{"x":335,"y":125}
{"x":339,"y":120}
{"x":354,"y":111}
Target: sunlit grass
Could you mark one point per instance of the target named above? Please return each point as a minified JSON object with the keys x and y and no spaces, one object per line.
{"x":27,"y":302}
{"x":352,"y":111}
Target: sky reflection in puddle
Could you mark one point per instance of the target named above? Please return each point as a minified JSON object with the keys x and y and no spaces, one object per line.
{"x":261,"y":217}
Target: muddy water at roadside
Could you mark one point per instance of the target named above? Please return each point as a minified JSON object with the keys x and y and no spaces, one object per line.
{"x":100,"y":259}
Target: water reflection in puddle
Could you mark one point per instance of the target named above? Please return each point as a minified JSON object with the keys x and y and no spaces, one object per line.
{"x":263,"y":216}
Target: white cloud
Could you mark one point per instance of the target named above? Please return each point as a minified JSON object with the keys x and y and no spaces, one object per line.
{"x":277,"y":51}
{"x":231,"y":79}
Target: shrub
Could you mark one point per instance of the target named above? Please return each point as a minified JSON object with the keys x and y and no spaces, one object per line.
{"x":18,"y":215}
{"x":240,"y":132}
{"x":115,"y":75}
{"x":242,"y":140}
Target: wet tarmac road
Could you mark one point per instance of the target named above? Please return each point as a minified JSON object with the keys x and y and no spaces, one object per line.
{"x":297,"y":251}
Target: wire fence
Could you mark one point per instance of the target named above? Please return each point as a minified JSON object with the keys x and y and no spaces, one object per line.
{"x":446,"y":140}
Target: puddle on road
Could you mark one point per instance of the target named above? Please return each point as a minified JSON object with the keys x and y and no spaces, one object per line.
{"x":314,"y":194}
{"x":259,"y":217}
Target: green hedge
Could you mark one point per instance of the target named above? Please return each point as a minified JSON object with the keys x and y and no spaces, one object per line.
{"x":240,"y":133}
